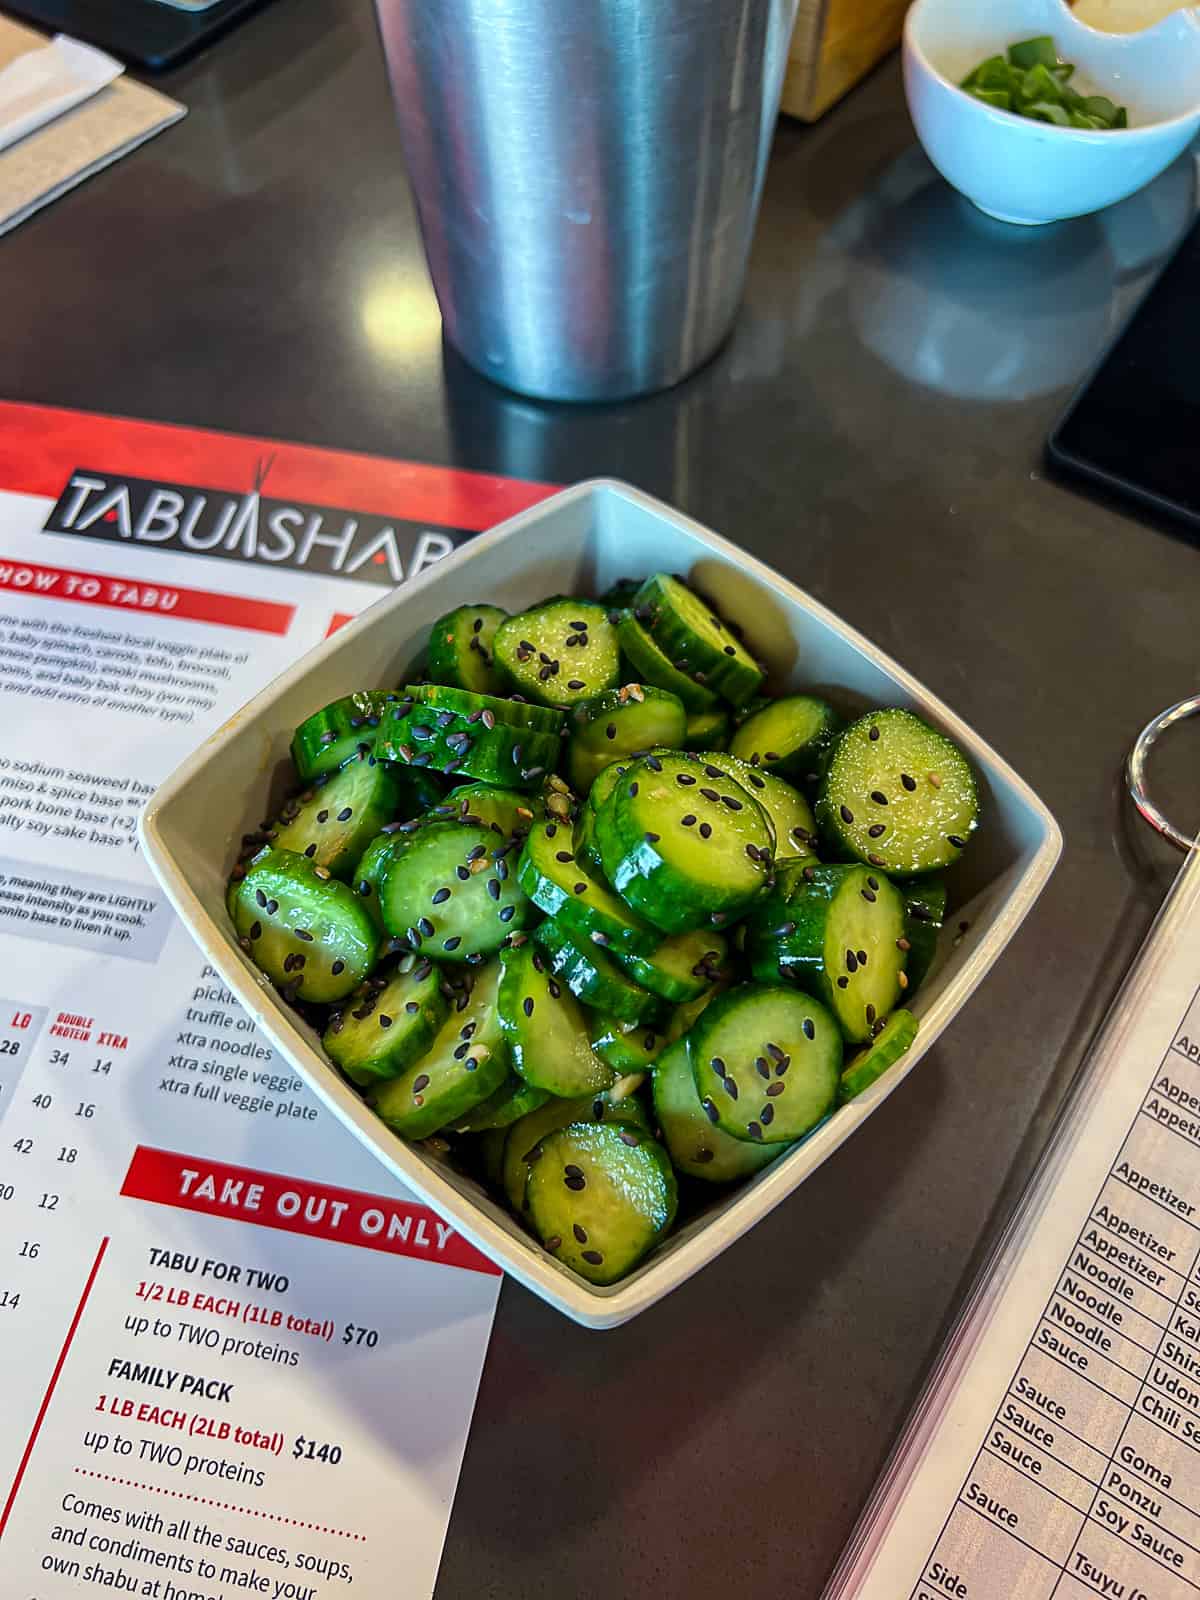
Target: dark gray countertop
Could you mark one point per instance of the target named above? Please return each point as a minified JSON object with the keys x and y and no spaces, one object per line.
{"x":874,"y":429}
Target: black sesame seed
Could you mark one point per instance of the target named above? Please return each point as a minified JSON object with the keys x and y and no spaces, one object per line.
{"x":507,"y":913}
{"x":256,"y":930}
{"x":731,"y":802}
{"x":810,"y":1031}
{"x":876,"y":861}
{"x":876,"y":831}
{"x":311,"y":851}
{"x":631,"y":1139}
{"x":488,"y":718}
{"x":493,"y":888}
{"x":909,"y":783}
{"x":718,"y":1066}
{"x":554,"y":1242}
{"x":384,"y":1021}
{"x":685,"y":778}
{"x":411,"y":1007}
{"x":260,"y":897}
{"x":753,"y":1129}
{"x":592,"y":1257}
{"x":575,"y":683}
{"x":633,"y":789}
{"x":651,"y":838}
{"x":453,"y":942}
{"x":527,"y":1006}
{"x":851,"y":961}
{"x":711,"y":794}
{"x":842,"y":982}
{"x":710,"y":1110}
{"x":303,"y":933}
{"x":879,"y":797}
{"x":873,"y":734}
{"x":730,"y":1087}
{"x":775,"y":1089}
{"x":425,"y":928}
{"x":654,"y":763}
{"x":554,"y":988}
{"x":767,"y":1114}
{"x":580,"y":1233}
{"x":873,"y":883}
{"x":712,"y":772}
{"x":440,"y":896}
{"x":323,"y":816}
{"x":420,"y":1082}
{"x":705,"y":830}
{"x":460,"y":1050}
{"x":958,"y":842}
{"x":462,"y":874}
{"x":846,"y":814}
{"x":581,"y":888}
{"x":870,"y":1014}
{"x":763,"y":1066}
{"x":729,"y":650}
{"x":703,"y":1156}
{"x":338,"y":968}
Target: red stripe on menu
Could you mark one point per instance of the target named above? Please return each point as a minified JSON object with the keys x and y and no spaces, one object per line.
{"x":145,"y":599}
{"x":296,"y":1205}
{"x":41,"y":446}
{"x":50,"y":1387}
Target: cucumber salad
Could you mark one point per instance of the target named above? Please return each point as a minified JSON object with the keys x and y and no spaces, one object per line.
{"x":585,"y":903}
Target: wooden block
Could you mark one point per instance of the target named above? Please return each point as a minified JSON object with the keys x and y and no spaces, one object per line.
{"x":835,"y":43}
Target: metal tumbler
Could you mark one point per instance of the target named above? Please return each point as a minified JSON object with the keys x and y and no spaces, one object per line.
{"x":587,"y":175}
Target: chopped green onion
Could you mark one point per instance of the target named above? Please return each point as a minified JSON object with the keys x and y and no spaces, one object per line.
{"x":1030,"y":81}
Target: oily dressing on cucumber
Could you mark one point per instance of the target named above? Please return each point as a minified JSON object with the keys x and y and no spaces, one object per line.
{"x":584,"y":908}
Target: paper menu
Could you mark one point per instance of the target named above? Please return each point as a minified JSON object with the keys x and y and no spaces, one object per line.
{"x":1056,"y":1450}
{"x":248,"y":1359}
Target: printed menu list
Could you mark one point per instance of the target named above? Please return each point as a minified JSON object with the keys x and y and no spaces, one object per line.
{"x":1057,"y":1452}
{"x":247,"y":1358}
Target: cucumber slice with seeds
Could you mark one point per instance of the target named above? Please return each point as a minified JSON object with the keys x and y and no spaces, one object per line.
{"x":924,"y":915}
{"x":386,"y":1024}
{"x":524,"y":1137}
{"x":369,"y":871}
{"x":558,"y":884}
{"x":837,"y":932}
{"x":605,"y":782}
{"x":453,"y":742}
{"x":884,"y":1051}
{"x":445,"y":892}
{"x":626,"y":1046}
{"x":766,"y":1062}
{"x":683,"y":849}
{"x":546,"y":1033}
{"x":308,"y":932}
{"x":695,"y":1145}
{"x":465,"y":1065}
{"x":787,"y":810}
{"x":559,"y":653}
{"x":507,"y":812}
{"x":335,"y":822}
{"x":898,"y":795}
{"x":684,"y":966}
{"x":593,"y":977}
{"x":510,"y":710}
{"x":708,"y":730}
{"x":330,"y":737}
{"x":600,"y":1196}
{"x":514,"y":1099}
{"x":618,"y":722}
{"x":695,"y":640}
{"x":791,"y":737}
{"x":460,"y":648}
{"x":650,"y":665}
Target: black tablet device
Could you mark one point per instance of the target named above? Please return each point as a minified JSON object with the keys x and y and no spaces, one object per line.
{"x":143,"y":31}
{"x":1134,"y":427}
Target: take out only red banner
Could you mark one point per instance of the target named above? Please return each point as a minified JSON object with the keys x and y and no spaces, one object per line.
{"x":296,"y":1205}
{"x":145,"y":599}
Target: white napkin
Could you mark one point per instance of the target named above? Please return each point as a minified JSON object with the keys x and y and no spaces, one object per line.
{"x":41,"y":84}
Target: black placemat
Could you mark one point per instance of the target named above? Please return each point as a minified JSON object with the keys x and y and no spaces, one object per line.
{"x":143,"y":31}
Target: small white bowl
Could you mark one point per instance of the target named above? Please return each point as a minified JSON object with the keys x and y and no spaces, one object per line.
{"x":1030,"y":172}
{"x":581,"y":541}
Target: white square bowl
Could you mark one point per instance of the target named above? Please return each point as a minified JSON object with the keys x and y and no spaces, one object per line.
{"x":581,"y":541}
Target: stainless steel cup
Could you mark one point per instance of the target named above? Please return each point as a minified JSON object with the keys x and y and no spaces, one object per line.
{"x":587,"y":174}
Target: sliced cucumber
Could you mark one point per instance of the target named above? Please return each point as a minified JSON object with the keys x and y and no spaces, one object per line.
{"x":326,"y":740}
{"x":510,"y":710}
{"x":924,"y":914}
{"x":585,"y":847}
{"x":310,"y":934}
{"x":766,"y":1062}
{"x":893,"y":1040}
{"x":681,"y":848}
{"x":695,"y":640}
{"x":787,"y":810}
{"x":460,"y":648}
{"x":898,"y":795}
{"x":683,"y":967}
{"x":708,"y":730}
{"x":558,"y":884}
{"x":695,"y":1145}
{"x":444,"y":891}
{"x":600,"y":1196}
{"x":605,"y":782}
{"x":333,"y":823}
{"x":465,"y":1065}
{"x":559,"y":653}
{"x":546,"y":1032}
{"x":369,"y":872}
{"x":507,"y":812}
{"x":650,"y":665}
{"x":841,"y":939}
{"x":791,"y":737}
{"x":626,"y":1046}
{"x":594,"y":977}
{"x":387,"y":1023}
{"x":617,"y":723}
{"x":522,"y":1139}
{"x":450,"y":742}
{"x":513,"y":1099}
